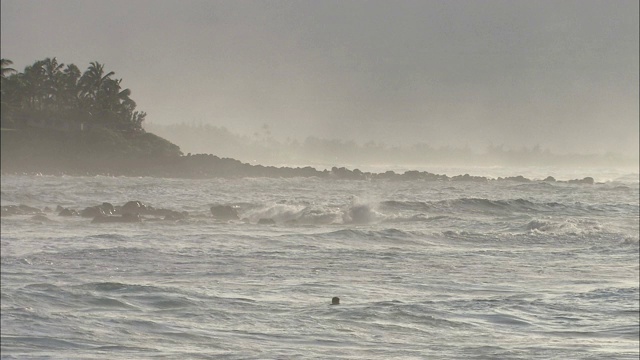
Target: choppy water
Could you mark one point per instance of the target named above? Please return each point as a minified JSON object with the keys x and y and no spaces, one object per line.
{"x":423,"y":269}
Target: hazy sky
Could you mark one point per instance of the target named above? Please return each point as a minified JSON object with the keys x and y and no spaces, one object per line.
{"x":561,"y":74}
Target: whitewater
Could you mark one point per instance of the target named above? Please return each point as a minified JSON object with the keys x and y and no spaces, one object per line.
{"x":423,"y":269}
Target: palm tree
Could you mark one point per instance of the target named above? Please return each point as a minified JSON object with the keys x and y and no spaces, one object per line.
{"x":33,"y":79}
{"x":92,"y":79}
{"x":53,"y":79}
{"x":66,"y":92}
{"x":70,"y":89}
{"x":7,"y":91}
{"x":6,"y":70}
{"x":116,"y":105}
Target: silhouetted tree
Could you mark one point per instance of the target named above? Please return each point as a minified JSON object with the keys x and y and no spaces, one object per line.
{"x":6,"y":70}
{"x":48,"y":88}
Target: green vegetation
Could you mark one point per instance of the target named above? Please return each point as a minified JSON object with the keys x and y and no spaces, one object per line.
{"x":55,"y":117}
{"x":50,"y":90}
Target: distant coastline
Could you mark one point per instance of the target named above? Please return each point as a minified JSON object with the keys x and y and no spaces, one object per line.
{"x":262,"y":147}
{"x":56,"y":120}
{"x":101,"y":151}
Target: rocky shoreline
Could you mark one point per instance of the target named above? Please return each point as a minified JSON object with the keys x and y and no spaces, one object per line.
{"x":101,"y":151}
{"x":202,"y":166}
{"x":131,"y":212}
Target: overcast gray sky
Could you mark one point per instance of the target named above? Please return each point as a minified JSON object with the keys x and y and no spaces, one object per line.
{"x":561,"y":74}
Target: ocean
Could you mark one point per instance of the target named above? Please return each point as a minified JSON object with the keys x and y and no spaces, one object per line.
{"x":423,"y":270}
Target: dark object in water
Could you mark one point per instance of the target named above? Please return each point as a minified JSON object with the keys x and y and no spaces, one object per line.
{"x":134,"y":207}
{"x":360,"y":214}
{"x":67,"y":212}
{"x":335,"y":300}
{"x":588,"y":180}
{"x":93,"y":211}
{"x":224,"y":212}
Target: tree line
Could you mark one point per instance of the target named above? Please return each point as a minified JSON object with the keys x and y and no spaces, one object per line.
{"x":49,"y":89}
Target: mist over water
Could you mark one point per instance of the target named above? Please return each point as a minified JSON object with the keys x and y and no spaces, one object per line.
{"x":561,"y":76}
{"x":426,"y":267}
{"x":264,"y":147}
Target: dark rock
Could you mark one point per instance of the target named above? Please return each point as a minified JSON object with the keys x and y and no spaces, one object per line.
{"x":107,"y":208}
{"x":411,"y":175}
{"x":92,"y":212}
{"x":588,"y":181}
{"x":131,"y":218}
{"x":467,"y":177}
{"x":134,"y":207}
{"x":346,"y":174}
{"x":67,"y":212}
{"x":518,"y":178}
{"x":549,"y":179}
{"x":387,"y":175}
{"x":224,"y":212}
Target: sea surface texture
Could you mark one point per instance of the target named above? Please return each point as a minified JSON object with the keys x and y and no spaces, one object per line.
{"x":424,"y":270}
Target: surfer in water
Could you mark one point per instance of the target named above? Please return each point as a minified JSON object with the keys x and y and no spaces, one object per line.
{"x":335,"y":300}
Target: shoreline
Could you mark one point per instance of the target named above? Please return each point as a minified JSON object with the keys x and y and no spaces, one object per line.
{"x":34,"y":151}
{"x":207,"y":166}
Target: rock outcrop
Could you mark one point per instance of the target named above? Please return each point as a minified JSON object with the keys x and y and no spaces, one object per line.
{"x":224,"y":212}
